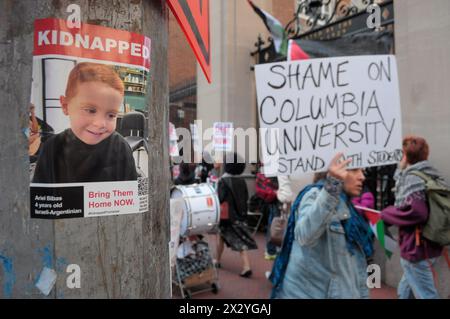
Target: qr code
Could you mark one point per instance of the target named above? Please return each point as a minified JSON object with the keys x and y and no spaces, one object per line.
{"x":142,"y":186}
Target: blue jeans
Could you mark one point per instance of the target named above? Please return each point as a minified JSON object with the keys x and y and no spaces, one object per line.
{"x":417,"y":280}
{"x":271,"y":249}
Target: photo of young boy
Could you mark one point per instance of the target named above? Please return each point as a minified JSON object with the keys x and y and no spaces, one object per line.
{"x":90,"y":150}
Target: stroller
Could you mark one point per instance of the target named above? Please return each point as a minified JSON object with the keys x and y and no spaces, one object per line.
{"x":193,"y":266}
{"x":194,"y":269}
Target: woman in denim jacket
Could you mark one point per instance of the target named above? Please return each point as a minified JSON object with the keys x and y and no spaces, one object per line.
{"x":331,"y":241}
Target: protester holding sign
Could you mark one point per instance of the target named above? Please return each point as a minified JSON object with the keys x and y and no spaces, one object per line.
{"x":410,"y":213}
{"x":327,"y":242}
{"x":90,"y":150}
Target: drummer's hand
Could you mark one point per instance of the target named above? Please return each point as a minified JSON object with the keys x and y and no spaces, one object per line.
{"x":338,"y":169}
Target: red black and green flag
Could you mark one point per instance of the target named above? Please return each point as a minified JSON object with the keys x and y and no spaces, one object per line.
{"x":275,"y":28}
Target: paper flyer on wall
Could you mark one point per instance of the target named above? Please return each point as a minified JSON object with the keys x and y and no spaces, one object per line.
{"x":88,"y":113}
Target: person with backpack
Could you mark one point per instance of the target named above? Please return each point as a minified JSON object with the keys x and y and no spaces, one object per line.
{"x":327,"y":241}
{"x":411,"y":213}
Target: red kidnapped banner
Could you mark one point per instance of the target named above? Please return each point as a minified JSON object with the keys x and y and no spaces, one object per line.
{"x":52,"y":36}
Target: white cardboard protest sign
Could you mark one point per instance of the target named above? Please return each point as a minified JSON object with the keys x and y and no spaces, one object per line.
{"x":312,"y":109}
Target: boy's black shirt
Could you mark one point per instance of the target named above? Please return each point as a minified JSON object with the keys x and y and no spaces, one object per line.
{"x":66,"y":159}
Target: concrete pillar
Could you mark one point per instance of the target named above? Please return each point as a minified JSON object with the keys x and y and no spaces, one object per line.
{"x":422,"y":30}
{"x":119,"y":256}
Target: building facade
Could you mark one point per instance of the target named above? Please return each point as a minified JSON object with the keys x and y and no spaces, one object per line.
{"x":422,"y":50}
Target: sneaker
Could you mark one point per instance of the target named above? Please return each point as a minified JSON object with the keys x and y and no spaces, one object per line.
{"x":267,"y":274}
{"x":268,"y":256}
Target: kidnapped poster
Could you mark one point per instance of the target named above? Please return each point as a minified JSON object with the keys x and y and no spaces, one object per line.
{"x":88,"y":117}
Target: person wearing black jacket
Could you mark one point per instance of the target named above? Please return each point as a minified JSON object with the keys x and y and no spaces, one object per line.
{"x":186,"y":176}
{"x":233,"y":231}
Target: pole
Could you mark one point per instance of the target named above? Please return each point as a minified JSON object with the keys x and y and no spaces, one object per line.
{"x":119,"y":256}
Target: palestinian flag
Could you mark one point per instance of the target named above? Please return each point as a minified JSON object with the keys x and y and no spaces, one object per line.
{"x":275,"y":28}
{"x":295,"y":52}
{"x":388,"y":243}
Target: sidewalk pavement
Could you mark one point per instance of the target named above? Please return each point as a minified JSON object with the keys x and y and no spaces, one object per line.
{"x":232,"y":286}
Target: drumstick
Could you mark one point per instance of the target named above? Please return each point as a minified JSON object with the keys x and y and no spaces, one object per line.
{"x":368,"y":209}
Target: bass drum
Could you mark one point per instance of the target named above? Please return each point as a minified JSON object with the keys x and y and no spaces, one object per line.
{"x":201,"y":212}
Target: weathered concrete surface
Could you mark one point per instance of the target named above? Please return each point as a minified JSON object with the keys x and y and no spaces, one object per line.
{"x":119,"y":257}
{"x":422,"y":47}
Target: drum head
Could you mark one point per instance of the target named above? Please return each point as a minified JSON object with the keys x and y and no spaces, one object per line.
{"x":201,"y":213}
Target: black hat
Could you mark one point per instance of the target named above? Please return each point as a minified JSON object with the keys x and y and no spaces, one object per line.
{"x":234,"y":164}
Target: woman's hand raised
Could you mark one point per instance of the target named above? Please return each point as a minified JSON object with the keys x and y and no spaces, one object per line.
{"x":337,"y":168}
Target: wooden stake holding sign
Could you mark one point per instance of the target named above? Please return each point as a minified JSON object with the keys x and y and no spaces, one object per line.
{"x":368,"y":209}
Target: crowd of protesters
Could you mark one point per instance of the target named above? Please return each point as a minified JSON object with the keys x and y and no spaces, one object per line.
{"x":327,"y":242}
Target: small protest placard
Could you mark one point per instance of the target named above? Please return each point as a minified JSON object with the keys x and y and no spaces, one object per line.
{"x":223,"y":136}
{"x":173,"y":141}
